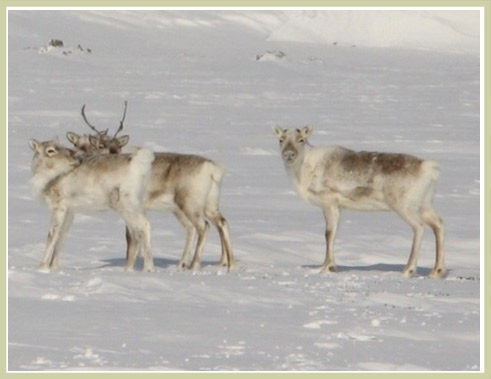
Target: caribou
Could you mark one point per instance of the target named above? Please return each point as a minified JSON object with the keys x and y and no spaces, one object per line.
{"x":71,"y":184}
{"x":335,"y":178}
{"x":186,"y":185}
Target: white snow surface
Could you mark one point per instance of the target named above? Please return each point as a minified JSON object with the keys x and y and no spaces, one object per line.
{"x":401,"y":81}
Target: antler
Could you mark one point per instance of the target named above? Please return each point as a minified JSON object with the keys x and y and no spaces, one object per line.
{"x":89,"y":124}
{"x":122,"y":120}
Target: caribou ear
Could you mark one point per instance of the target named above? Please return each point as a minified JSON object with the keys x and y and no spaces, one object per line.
{"x":307,"y":131}
{"x":34,"y":145}
{"x":278,"y":131}
{"x":72,"y":137}
{"x":123,"y":140}
{"x":94,"y":141}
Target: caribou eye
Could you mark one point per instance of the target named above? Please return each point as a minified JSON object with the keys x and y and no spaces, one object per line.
{"x":301,"y":140}
{"x":50,"y":151}
{"x":282,"y":140}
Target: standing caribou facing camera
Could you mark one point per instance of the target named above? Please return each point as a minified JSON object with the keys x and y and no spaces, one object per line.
{"x":334,"y":178}
{"x":71,"y":184}
{"x":186,"y":185}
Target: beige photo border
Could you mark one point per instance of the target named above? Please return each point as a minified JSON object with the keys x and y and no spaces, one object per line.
{"x":485,"y":5}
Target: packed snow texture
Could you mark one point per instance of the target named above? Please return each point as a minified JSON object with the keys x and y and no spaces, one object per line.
{"x":399,"y":81}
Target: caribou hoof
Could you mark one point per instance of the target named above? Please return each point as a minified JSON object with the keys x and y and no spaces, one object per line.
{"x":438,"y":273}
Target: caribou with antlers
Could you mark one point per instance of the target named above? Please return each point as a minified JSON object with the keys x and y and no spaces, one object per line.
{"x":101,"y":142}
{"x":186,"y":185}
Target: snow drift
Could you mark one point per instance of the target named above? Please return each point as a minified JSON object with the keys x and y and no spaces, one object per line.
{"x":427,"y":30}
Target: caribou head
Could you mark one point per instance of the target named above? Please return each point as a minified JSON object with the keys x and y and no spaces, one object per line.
{"x":100,"y":141}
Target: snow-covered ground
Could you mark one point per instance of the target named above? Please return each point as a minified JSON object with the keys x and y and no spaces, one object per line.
{"x":213,"y":83}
